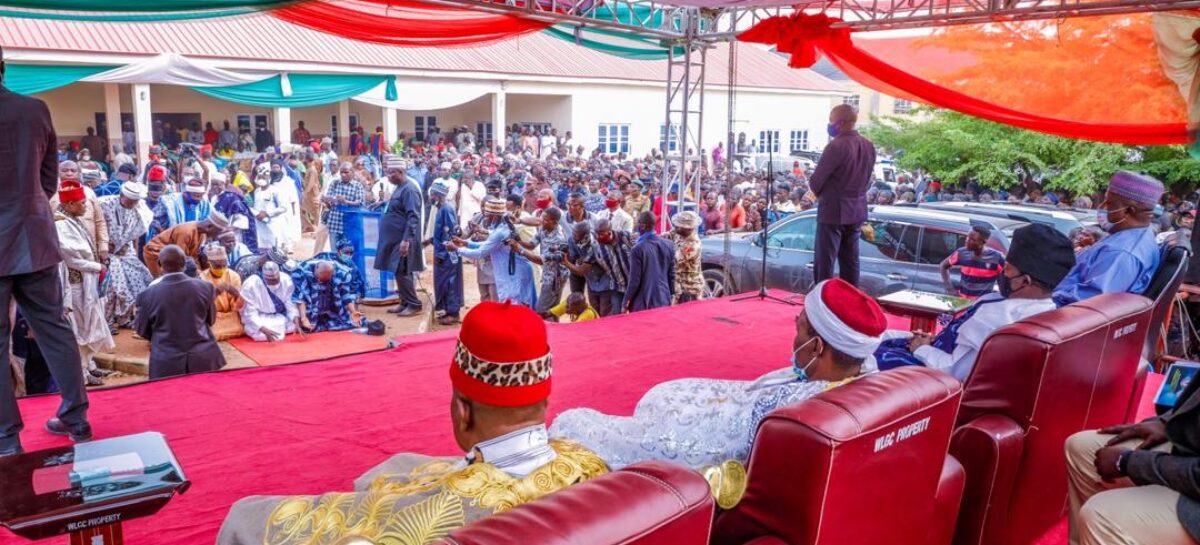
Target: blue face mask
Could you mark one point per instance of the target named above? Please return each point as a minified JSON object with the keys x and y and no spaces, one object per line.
{"x":802,"y":372}
{"x":832,"y":129}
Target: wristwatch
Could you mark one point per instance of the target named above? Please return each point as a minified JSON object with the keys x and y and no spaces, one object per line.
{"x":1123,"y":462}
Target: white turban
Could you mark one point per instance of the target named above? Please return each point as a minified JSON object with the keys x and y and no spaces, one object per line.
{"x":832,"y":329}
{"x":133,"y":190}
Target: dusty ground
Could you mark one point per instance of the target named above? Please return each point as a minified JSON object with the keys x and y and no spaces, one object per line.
{"x":131,"y":354}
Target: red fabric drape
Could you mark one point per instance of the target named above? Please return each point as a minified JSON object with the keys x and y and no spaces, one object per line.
{"x":399,"y":22}
{"x":805,"y":37}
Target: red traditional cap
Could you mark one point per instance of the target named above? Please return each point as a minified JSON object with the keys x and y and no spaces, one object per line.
{"x":70,"y":191}
{"x":846,"y":318}
{"x":157,"y":174}
{"x":502,"y":358}
{"x":206,"y":148}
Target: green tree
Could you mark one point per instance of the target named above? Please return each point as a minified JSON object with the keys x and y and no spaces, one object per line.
{"x":955,"y":147}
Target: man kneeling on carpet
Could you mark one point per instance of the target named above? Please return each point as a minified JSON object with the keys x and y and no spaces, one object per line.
{"x":1039,"y":257}
{"x":269,"y":312}
{"x":501,"y":382}
{"x":325,"y":297}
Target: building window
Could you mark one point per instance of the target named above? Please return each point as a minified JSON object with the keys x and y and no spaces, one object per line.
{"x":671,"y":143}
{"x":771,"y":136}
{"x":852,"y":100}
{"x":614,"y":138}
{"x":483,"y":133}
{"x":799,"y":141}
{"x":422,"y":124}
{"x":540,"y":127}
{"x":902,"y":107}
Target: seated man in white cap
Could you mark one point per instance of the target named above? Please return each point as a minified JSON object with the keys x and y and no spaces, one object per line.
{"x":501,"y":383}
{"x":269,"y":312}
{"x":128,"y":219}
{"x":836,"y":334}
{"x":191,"y":205}
{"x":1124,"y":261}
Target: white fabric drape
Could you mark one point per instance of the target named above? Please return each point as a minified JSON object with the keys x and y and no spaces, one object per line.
{"x":1179,"y":55}
{"x":175,"y":69}
{"x":425,"y":96}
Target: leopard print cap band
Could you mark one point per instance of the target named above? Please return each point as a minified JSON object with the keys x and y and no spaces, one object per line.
{"x":514,"y":374}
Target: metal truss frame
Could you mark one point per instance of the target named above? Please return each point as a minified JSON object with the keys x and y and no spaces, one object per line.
{"x":685,"y":108}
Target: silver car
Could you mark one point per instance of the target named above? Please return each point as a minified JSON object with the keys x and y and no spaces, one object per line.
{"x":900,"y":248}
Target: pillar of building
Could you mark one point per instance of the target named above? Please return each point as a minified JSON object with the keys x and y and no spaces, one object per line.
{"x":112,"y":115}
{"x":343,"y":127}
{"x":143,"y":126}
{"x":283,"y":125}
{"x":390,"y":128}
{"x":499,"y":118}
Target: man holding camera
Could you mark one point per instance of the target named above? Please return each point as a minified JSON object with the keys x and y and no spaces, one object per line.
{"x":513,"y":273}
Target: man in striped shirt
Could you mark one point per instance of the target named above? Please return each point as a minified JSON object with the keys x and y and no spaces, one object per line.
{"x":978,"y":265}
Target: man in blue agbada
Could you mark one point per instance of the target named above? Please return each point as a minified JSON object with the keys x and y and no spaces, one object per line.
{"x":447,"y":265}
{"x":345,"y":257}
{"x":1124,"y":261}
{"x":514,"y":274}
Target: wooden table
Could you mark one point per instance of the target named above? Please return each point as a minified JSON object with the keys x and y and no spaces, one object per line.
{"x":923,"y":308}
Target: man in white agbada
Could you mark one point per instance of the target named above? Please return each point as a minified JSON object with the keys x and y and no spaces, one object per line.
{"x":704,"y":422}
{"x":269,"y":313}
{"x":268,"y":210}
{"x":290,"y":229}
{"x":80,"y":273}
{"x":128,"y":219}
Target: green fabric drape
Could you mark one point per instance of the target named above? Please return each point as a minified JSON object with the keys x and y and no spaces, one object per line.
{"x":29,"y":79}
{"x":612,"y":43}
{"x":307,"y":90}
{"x":128,"y":17}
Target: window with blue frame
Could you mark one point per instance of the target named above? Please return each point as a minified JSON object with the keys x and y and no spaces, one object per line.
{"x":614,"y":138}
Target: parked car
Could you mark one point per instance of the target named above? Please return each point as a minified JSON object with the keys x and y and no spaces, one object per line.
{"x":900,"y":248}
{"x":1062,"y":220}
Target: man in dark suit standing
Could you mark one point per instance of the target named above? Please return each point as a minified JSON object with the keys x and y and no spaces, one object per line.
{"x":29,"y":271}
{"x":651,"y":268}
{"x":840,"y":182}
{"x":176,"y":315}
{"x":1136,"y":483}
{"x":400,"y":236}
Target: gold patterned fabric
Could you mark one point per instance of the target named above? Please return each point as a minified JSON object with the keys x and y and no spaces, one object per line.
{"x":418,"y":506}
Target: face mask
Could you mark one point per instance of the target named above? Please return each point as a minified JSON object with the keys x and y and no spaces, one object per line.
{"x":543,"y":203}
{"x":612,"y":204}
{"x":832,"y":130}
{"x":347,"y":256}
{"x":262,"y":182}
{"x":1004,"y":282}
{"x":1107,"y":219}
{"x":276,"y":176}
{"x":218,"y":272}
{"x":802,"y":372}
{"x":605,"y":239}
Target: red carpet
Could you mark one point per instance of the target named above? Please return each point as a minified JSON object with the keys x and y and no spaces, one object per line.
{"x":312,"y":428}
{"x":317,"y":346}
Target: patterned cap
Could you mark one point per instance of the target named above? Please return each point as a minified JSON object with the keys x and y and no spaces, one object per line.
{"x":502,"y":358}
{"x":1136,"y":187}
{"x":494,"y":205}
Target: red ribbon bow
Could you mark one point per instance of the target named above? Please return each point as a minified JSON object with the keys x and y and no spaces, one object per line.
{"x":800,"y":35}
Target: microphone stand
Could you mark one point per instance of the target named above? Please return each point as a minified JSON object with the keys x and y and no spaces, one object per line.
{"x":762,"y":284}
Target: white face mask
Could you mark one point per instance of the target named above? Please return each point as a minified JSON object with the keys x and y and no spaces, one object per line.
{"x":262,"y":182}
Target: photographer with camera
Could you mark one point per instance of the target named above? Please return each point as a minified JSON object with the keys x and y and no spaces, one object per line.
{"x":552,"y":241}
{"x":513,"y":273}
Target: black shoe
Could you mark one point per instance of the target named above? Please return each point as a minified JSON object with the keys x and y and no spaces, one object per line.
{"x":12,"y":451}
{"x":81,"y":434}
{"x":398,"y":309}
{"x":411,"y":311}
{"x":101,"y":372}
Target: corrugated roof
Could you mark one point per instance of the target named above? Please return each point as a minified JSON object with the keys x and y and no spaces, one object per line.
{"x":262,"y":37}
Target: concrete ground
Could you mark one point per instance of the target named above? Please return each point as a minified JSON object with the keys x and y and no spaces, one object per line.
{"x":131,"y":355}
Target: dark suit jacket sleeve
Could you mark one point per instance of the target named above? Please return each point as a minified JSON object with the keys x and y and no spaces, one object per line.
{"x":145,"y":329}
{"x":830,"y":160}
{"x":412,"y":205}
{"x":671,"y":267}
{"x":49,"y":171}
{"x":210,"y":308}
{"x":1179,"y":473}
{"x":635,"y":274}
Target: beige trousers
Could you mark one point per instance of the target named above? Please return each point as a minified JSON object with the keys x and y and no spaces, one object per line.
{"x":1118,"y":513}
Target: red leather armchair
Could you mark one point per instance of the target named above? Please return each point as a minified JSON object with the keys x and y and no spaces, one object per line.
{"x":861,"y":464}
{"x":651,"y":503}
{"x":1034,"y":384}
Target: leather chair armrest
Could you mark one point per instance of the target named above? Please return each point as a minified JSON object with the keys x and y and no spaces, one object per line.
{"x":989,"y":449}
{"x":947,"y":502}
{"x":643,"y":504}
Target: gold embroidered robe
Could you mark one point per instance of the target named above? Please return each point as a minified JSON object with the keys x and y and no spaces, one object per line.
{"x":408,"y":500}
